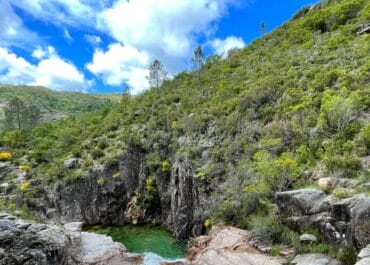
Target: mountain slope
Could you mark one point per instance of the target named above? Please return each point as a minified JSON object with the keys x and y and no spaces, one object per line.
{"x":56,"y":104}
{"x":290,"y":108}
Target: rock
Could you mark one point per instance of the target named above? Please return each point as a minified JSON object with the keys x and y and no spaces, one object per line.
{"x":28,"y":243}
{"x":314,"y":259}
{"x":183,"y":198}
{"x":337,"y":220}
{"x":307,"y":238}
{"x":304,"y":201}
{"x":214,"y":256}
{"x":72,"y":163}
{"x":365,"y":252}
{"x":101,"y":250}
{"x":230,"y":246}
{"x":89,"y":202}
{"x":356,"y":211}
{"x":333,"y":182}
{"x":365,"y":261}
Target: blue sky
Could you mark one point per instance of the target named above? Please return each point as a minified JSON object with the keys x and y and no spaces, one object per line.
{"x":103,"y":46}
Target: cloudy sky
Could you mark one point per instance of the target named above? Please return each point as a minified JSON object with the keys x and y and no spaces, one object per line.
{"x":105,"y":45}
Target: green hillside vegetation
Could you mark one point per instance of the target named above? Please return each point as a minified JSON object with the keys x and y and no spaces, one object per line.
{"x":55,"y":104}
{"x":290,"y":102}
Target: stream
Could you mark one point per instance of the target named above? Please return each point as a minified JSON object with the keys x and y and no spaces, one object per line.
{"x":156,"y":243}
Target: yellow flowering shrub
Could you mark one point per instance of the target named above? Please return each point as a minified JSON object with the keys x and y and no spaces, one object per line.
{"x":24,"y":186}
{"x":5,"y":156}
{"x":207,"y":223}
{"x":24,"y":168}
{"x":100,"y":181}
{"x":116,"y":175}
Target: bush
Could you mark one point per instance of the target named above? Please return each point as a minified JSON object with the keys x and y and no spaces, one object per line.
{"x":97,"y":153}
{"x":268,"y":228}
{"x":14,"y":139}
{"x":5,"y":156}
{"x":348,"y":255}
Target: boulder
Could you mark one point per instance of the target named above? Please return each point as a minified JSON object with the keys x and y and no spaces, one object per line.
{"x":302,"y":202}
{"x":101,"y":250}
{"x":27,"y":243}
{"x":307,"y":238}
{"x":338,"y":220}
{"x":364,"y":256}
{"x":314,"y":259}
{"x":72,"y":163}
{"x":230,"y":246}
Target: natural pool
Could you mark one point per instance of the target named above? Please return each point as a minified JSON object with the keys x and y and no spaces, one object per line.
{"x":144,"y":239}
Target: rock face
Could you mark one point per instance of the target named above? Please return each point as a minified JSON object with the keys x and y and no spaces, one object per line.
{"x":230,"y":246}
{"x":99,"y":197}
{"x":338,"y":220}
{"x":364,"y":256}
{"x":183,"y":199}
{"x":107,"y":195}
{"x":25,"y":243}
{"x":30,"y":244}
{"x":314,"y":259}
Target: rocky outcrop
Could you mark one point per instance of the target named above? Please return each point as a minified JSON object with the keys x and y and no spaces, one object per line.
{"x":99,"y":196}
{"x":314,"y":259}
{"x":184,"y":199}
{"x":229,"y":246}
{"x":338,"y":220}
{"x":364,"y":256}
{"x":26,"y":243}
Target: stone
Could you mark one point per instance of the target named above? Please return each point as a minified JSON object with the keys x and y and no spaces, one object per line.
{"x":314,"y":259}
{"x":101,"y":250}
{"x":230,"y":246}
{"x":72,"y":163}
{"x":364,"y":253}
{"x":22,"y":242}
{"x":365,"y":261}
{"x":303,"y":201}
{"x":333,"y":182}
{"x":338,"y":220}
{"x":214,"y":256}
{"x":307,"y":238}
{"x":183,"y":198}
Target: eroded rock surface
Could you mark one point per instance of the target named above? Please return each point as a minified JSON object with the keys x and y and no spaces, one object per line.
{"x":314,"y":259}
{"x":26,"y":243}
{"x":230,"y":246}
{"x":338,"y":220}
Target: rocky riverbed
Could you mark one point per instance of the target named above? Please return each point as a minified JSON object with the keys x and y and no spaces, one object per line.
{"x":27,"y":243}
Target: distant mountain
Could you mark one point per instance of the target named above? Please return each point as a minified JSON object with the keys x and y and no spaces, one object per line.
{"x":55,"y":105}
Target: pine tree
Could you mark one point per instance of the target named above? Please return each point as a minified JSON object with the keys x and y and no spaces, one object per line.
{"x":20,"y":116}
{"x":156,"y":74}
{"x":198,"y":61}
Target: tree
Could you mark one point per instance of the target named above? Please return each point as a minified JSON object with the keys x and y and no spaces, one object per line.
{"x":263,"y":28}
{"x":156,"y":74}
{"x":20,"y":116}
{"x":198,"y":61}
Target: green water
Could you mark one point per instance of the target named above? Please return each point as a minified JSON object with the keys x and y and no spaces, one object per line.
{"x":143,"y":238}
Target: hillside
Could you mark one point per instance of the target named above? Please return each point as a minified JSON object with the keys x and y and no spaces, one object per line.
{"x":55,"y":105}
{"x":290,"y":111}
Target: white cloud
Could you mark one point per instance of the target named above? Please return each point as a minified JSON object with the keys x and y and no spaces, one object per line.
{"x":67,"y":35}
{"x":119,"y":64}
{"x":12,"y":30}
{"x":93,"y":39}
{"x":222,"y":47}
{"x":51,"y":71}
{"x":162,"y":29}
